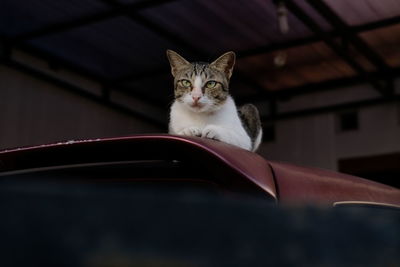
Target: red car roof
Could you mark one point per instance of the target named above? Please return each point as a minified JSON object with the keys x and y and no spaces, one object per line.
{"x":284,"y":182}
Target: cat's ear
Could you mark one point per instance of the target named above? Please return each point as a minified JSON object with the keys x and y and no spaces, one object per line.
{"x":225,"y":63}
{"x":176,"y":61}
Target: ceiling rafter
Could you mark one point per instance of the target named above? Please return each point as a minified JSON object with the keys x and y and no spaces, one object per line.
{"x":346,"y":32}
{"x":328,"y":85}
{"x":51,"y":59}
{"x":268,"y":48}
{"x":117,"y":9}
{"x":330,"y":42}
{"x":120,"y":10}
{"x":376,"y":24}
{"x":176,"y":39}
{"x":315,"y":38}
{"x":153,"y":27}
{"x":20,"y":43}
{"x":352,"y":38}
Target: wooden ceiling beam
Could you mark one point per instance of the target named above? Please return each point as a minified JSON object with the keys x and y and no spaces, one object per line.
{"x":346,"y":32}
{"x":352,"y":38}
{"x":121,"y":10}
{"x":176,"y":40}
{"x":268,"y":48}
{"x":328,"y":85}
{"x":331,"y":43}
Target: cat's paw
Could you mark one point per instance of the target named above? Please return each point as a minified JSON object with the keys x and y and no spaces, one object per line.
{"x":191,"y":131}
{"x":212,"y":132}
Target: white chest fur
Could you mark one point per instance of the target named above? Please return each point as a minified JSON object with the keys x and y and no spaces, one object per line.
{"x":223,"y":124}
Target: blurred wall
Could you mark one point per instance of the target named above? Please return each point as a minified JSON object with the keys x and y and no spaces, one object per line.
{"x":36,"y":112}
{"x":317,"y":140}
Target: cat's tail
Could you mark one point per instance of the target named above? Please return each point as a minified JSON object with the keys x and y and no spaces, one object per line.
{"x":252,"y":124}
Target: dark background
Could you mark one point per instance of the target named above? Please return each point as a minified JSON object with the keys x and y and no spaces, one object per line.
{"x":327,"y":89}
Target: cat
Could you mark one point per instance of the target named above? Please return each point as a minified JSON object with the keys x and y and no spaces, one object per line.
{"x":203,"y":106}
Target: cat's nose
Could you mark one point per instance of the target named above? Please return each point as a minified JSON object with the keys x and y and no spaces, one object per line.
{"x":196,"y":98}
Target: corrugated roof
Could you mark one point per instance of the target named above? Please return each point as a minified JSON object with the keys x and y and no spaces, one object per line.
{"x":124,"y":42}
{"x":386,"y":41}
{"x":364,"y":11}
{"x":19,"y":16}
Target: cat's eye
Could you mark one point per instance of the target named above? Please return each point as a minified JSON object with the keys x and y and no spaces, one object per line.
{"x":186,"y":83}
{"x":211,"y":84}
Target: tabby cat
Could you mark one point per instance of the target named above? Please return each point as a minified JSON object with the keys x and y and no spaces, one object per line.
{"x":203,"y":106}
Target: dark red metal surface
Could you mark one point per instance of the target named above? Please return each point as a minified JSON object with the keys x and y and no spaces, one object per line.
{"x":235,"y":168}
{"x":296,"y":184}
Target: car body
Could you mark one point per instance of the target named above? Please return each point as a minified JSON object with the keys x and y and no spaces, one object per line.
{"x":163,"y":200}
{"x":162,"y":158}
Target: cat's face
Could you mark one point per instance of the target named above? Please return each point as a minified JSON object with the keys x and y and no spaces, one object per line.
{"x":201,"y":87}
